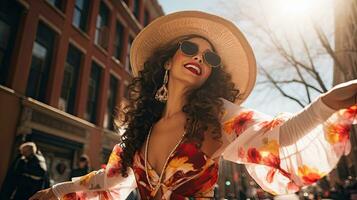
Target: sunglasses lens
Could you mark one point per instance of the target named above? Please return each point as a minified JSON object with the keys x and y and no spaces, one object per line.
{"x":213,"y":59}
{"x":189,"y":48}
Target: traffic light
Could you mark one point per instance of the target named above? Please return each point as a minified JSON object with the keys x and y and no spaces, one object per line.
{"x":228,"y":182}
{"x":229,"y":193}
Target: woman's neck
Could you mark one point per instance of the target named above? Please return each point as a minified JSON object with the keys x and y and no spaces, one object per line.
{"x":177,"y":98}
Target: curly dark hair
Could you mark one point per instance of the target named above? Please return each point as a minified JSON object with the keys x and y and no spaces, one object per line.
{"x":203,"y":108}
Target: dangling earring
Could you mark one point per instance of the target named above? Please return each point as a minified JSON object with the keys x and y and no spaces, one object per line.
{"x":162,"y":92}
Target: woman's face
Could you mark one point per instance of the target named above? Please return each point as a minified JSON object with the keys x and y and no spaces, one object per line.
{"x":191,"y":70}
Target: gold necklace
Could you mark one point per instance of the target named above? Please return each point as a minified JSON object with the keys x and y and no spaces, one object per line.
{"x":164,"y":167}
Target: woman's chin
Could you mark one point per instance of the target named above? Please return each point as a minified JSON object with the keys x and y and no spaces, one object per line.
{"x":188,"y":79}
{"x":187,"y":83}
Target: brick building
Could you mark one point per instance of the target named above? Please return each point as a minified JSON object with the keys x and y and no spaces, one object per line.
{"x":345,"y":69}
{"x":64,"y":68}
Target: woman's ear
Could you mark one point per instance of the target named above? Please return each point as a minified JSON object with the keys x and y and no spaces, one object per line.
{"x":168,"y":64}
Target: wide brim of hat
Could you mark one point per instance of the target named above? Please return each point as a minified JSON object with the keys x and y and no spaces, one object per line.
{"x":228,"y":41}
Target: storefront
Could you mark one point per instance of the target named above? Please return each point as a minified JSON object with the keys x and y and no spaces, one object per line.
{"x":62,"y":138}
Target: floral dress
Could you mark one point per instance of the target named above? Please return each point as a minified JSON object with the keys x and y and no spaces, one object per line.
{"x":250,"y":138}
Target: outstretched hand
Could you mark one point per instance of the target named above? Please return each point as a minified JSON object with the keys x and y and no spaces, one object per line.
{"x":342,"y":95}
{"x":46,"y":194}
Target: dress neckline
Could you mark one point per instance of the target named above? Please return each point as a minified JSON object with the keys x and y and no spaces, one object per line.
{"x":173,"y":155}
{"x":163,"y":170}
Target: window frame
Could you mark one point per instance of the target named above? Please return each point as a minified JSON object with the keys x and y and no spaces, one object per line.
{"x":73,"y":65}
{"x":92,"y":99}
{"x":48,"y":41}
{"x":102,"y":28}
{"x":83,"y":15}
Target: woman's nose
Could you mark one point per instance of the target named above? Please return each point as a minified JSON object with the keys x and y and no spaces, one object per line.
{"x":198,"y":58}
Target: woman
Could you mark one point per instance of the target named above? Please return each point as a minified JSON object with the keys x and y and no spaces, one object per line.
{"x":191,"y":71}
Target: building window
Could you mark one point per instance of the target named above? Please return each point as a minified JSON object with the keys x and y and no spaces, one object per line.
{"x":4,"y":38}
{"x":70,"y":78}
{"x":4,"y":41}
{"x":93,"y":93}
{"x":112,"y":99}
{"x":146,"y":18}
{"x":118,"y":40}
{"x":10,"y":15}
{"x":127,"y":60}
{"x":57,"y":3}
{"x":80,"y":14}
{"x":102,"y":26}
{"x":136,"y":8}
{"x":41,"y":62}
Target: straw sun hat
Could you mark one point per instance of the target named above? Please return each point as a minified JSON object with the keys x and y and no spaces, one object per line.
{"x":230,"y":44}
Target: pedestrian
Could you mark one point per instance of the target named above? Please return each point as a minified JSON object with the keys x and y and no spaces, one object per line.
{"x":83,"y":167}
{"x":27,"y":175}
{"x":192,"y":70}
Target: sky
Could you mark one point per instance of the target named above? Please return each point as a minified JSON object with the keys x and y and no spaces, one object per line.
{"x":289,"y":20}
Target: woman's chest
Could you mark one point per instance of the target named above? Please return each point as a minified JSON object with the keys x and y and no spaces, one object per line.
{"x":164,"y":141}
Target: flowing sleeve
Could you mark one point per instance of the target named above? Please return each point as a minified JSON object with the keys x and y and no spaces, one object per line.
{"x":286,"y":152}
{"x":98,"y":185}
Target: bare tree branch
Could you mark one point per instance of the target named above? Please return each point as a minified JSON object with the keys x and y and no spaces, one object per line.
{"x":293,"y":81}
{"x":280,"y":89}
{"x":304,"y":64}
{"x":324,"y":42}
{"x":312,"y":64}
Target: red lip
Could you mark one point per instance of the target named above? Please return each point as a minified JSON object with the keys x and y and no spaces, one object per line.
{"x":194,"y":70}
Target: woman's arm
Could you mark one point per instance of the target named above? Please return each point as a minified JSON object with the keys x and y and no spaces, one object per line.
{"x":304,"y":121}
{"x":339,"y":97}
{"x":95,"y":184}
{"x":287,"y":152}
{"x":105,"y":183}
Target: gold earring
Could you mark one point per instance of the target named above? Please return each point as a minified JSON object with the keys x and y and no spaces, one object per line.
{"x":162,"y":92}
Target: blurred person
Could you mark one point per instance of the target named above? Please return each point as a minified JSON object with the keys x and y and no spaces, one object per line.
{"x":27,"y":175}
{"x":83,"y":167}
{"x":191,"y":72}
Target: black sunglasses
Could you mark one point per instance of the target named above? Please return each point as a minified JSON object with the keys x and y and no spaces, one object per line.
{"x":209,"y":57}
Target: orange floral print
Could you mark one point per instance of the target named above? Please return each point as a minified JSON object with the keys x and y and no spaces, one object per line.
{"x":292,"y":187}
{"x":104,"y":195}
{"x":268,"y":154}
{"x":114,"y":163}
{"x":254,"y":155}
{"x":85,"y":180}
{"x":241,"y":152}
{"x":239,"y":123}
{"x":270,"y":146}
{"x":270,"y":175}
{"x":337,"y":133}
{"x":179,"y":163}
{"x":350,"y":113}
{"x":309,"y":174}
{"x":271,"y":160}
{"x":269,"y":125}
